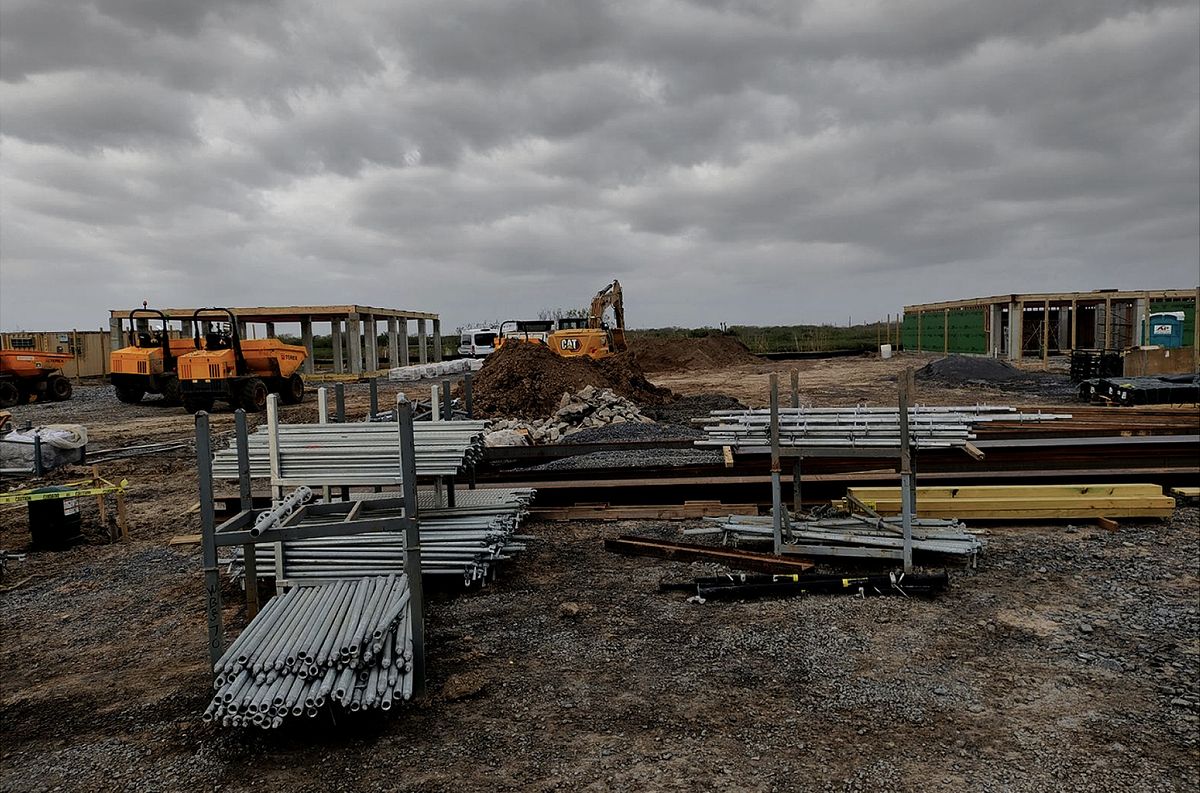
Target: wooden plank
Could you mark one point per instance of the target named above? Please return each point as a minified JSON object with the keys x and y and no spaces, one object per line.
{"x":684,"y":552}
{"x":1109,"y":525}
{"x":1186,"y":492}
{"x":867,"y":494}
{"x":184,"y":539}
{"x":973,"y":450}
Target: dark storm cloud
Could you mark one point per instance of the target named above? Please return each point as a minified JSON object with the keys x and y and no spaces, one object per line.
{"x":729,"y":160}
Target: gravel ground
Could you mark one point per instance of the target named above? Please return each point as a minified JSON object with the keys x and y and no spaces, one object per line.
{"x":1069,"y":661}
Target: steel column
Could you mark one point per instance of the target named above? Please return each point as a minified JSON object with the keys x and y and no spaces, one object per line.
{"x":208,"y":540}
{"x":412,"y":539}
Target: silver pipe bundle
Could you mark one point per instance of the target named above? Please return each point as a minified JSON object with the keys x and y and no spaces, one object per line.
{"x":929,"y":427}
{"x":347,"y":643}
{"x":469,"y":540}
{"x":350,"y":454}
{"x":853,"y":535}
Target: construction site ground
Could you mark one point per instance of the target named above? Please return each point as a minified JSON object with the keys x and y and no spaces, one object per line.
{"x":1070,"y":660}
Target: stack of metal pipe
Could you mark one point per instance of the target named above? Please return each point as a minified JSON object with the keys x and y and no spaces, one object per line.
{"x":929,"y":427}
{"x":347,"y":643}
{"x":365,"y":453}
{"x":469,"y":540}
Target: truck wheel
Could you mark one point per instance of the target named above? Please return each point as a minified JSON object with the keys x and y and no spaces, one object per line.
{"x":196,"y":403}
{"x":59,"y":388}
{"x":130,"y":395}
{"x":172,"y":395}
{"x":9,"y":395}
{"x":292,"y":390}
{"x":252,"y":396}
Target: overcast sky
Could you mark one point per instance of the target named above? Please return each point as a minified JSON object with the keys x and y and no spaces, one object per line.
{"x":739,"y":162}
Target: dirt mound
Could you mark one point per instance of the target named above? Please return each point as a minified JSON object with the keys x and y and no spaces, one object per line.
{"x":528,"y":380}
{"x":675,"y":354}
{"x":968,"y":369}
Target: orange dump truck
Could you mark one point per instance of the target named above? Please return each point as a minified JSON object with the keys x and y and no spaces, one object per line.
{"x":223,"y":366}
{"x":149,"y":364}
{"x":31,"y":374}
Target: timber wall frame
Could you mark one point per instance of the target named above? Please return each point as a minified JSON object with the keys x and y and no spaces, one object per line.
{"x":1038,"y":324}
{"x":353,"y":330}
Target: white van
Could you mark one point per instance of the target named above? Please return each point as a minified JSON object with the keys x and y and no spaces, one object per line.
{"x":477,"y":342}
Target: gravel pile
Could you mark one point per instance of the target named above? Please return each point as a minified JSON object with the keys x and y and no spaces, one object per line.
{"x":666,"y":458}
{"x":617,"y":433}
{"x":685,"y":408}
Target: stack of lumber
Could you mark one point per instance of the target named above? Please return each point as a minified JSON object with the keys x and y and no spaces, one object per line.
{"x":1023,"y":502}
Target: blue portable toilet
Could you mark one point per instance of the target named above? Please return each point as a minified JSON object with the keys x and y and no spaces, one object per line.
{"x":1166,"y":329}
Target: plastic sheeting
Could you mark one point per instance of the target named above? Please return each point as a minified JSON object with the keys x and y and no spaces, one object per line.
{"x":62,"y":444}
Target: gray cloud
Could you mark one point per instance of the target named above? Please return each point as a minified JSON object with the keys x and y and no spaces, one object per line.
{"x":730,"y":160}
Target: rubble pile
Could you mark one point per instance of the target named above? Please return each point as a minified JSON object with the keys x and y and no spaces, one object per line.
{"x":587,"y":408}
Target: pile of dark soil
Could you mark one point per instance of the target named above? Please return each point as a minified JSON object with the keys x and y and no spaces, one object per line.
{"x":528,"y":380}
{"x":997,"y":374}
{"x":969,"y":369}
{"x":676,"y":354}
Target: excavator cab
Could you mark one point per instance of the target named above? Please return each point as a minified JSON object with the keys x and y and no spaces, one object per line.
{"x":240,"y":372}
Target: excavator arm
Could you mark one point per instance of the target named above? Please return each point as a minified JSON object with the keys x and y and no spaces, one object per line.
{"x":608,"y":297}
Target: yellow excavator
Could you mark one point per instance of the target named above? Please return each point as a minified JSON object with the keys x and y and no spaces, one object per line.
{"x":240,"y":372}
{"x":571,"y":337}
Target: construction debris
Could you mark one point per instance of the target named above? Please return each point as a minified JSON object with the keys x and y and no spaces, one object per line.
{"x":855,"y":536}
{"x":740,"y":586}
{"x":588,"y":408}
{"x":1024,"y":502}
{"x":347,"y":643}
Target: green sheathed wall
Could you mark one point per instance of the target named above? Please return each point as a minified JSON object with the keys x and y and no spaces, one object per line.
{"x":966,"y":328}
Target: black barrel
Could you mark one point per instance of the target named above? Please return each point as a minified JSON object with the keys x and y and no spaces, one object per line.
{"x":54,"y":522}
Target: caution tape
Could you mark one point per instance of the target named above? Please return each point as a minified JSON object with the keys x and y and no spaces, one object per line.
{"x":23,"y":496}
